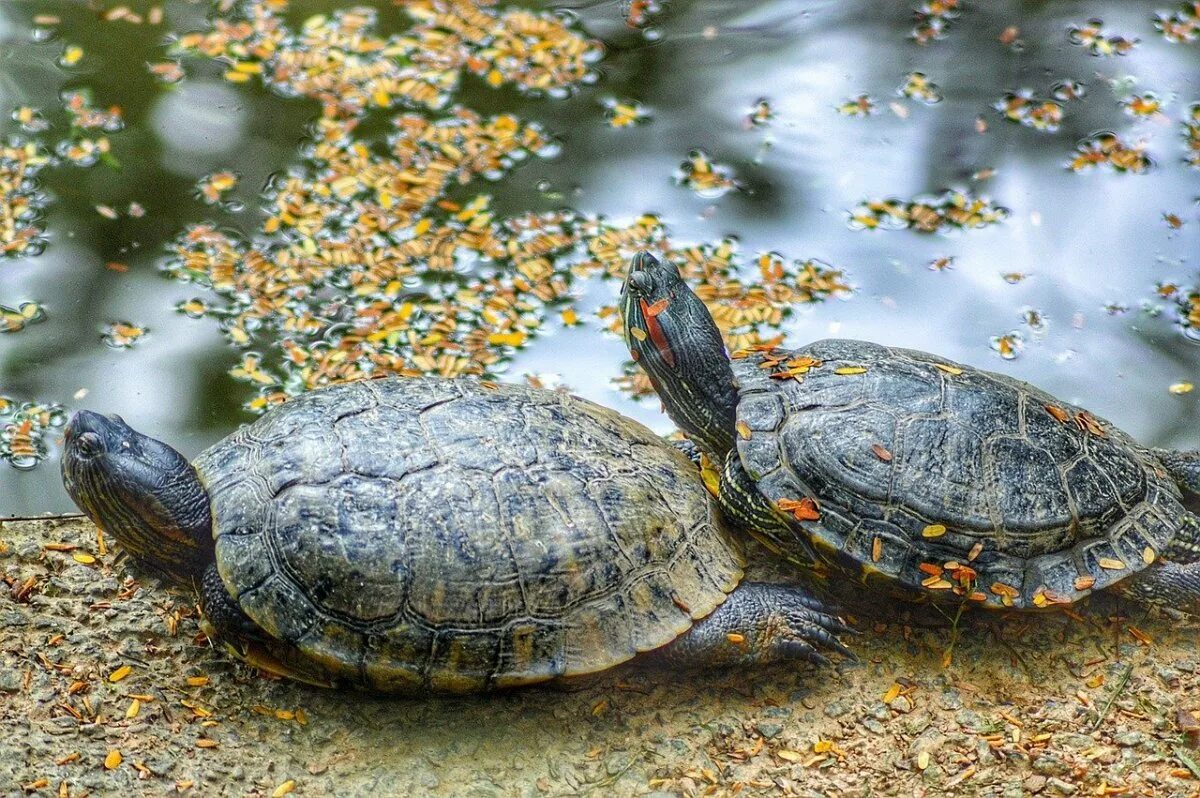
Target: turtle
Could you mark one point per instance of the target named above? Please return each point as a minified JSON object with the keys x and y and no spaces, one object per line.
{"x":913,"y":475}
{"x":425,"y":535}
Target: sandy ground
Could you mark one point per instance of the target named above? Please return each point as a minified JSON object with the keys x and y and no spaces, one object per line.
{"x":108,"y":688}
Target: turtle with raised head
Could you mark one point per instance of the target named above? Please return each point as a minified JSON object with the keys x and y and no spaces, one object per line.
{"x":936,"y":479}
{"x":428,"y":535}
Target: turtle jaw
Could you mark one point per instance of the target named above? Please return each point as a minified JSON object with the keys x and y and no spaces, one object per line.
{"x":141,"y":491}
{"x":673,"y":338}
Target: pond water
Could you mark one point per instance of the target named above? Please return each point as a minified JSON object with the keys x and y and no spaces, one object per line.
{"x":207,"y":206}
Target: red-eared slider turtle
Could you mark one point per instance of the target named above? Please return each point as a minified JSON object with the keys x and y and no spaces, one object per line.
{"x":939,"y":479}
{"x":415,"y":535}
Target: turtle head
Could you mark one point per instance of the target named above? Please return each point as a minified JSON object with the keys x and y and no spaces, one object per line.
{"x":140,"y":491}
{"x":674,"y":339}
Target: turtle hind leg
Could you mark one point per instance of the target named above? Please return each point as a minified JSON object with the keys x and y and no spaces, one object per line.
{"x":1173,"y":587}
{"x":760,"y":623}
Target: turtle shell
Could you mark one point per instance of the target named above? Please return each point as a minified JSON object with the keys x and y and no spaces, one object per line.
{"x":450,"y":535}
{"x":950,"y":479}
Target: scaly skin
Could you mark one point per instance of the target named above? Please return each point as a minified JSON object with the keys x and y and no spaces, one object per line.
{"x":759,"y":623}
{"x":675,"y":341}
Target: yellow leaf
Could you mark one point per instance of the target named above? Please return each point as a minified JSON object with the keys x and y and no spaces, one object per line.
{"x":83,"y":557}
{"x":135,"y":706}
{"x":120,"y":673}
{"x":112,"y":760}
{"x":850,"y":370}
{"x":933,"y":531}
{"x":514,"y":338}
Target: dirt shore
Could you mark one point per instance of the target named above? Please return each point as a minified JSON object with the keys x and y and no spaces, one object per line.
{"x":107,"y":687}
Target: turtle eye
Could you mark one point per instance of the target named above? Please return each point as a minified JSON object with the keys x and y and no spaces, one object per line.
{"x":641,"y":282}
{"x":89,"y":444}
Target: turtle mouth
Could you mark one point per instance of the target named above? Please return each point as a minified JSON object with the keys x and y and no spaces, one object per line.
{"x":83,"y":421}
{"x":89,"y":421}
{"x":636,"y":287}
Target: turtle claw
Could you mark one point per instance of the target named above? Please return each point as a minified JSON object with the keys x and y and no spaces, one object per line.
{"x":809,"y":632}
{"x":761,"y":623}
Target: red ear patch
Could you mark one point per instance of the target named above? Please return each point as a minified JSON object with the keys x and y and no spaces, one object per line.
{"x":655,"y":329}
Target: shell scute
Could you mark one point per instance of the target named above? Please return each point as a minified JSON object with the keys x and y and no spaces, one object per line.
{"x":1034,"y":492}
{"x":442,"y":535}
{"x":383,"y":442}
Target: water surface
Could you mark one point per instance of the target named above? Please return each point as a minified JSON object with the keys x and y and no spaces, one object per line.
{"x":1077,"y":280}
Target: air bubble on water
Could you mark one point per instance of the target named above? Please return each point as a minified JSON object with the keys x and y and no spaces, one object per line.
{"x":34,"y":247}
{"x":23,"y":462}
{"x":232,"y":206}
{"x":550,"y":150}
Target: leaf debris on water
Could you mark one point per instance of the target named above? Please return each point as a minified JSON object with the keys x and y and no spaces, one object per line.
{"x":1109,"y":150}
{"x":1098,"y":42}
{"x":953,"y":209}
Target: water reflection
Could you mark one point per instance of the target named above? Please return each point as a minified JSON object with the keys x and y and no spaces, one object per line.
{"x":1060,"y":291}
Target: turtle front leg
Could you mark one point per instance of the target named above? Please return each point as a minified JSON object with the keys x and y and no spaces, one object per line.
{"x":746,"y":508}
{"x":760,"y":623}
{"x":223,"y":618}
{"x":225,"y":623}
{"x":1173,"y":587}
